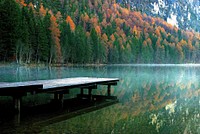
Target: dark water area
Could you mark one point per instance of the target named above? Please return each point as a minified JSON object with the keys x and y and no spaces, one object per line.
{"x":153,"y":98}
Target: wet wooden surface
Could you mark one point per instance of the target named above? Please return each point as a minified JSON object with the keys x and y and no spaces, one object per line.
{"x":55,"y":84}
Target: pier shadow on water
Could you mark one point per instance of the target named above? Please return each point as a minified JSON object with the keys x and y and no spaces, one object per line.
{"x":33,"y":118}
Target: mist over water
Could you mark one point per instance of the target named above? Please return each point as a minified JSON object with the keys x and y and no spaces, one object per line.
{"x":153,"y":98}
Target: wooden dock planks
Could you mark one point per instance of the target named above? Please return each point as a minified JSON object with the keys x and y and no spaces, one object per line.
{"x":56,"y":84}
{"x":79,"y":82}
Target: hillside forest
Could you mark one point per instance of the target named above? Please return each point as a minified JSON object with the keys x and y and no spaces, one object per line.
{"x":89,"y":32}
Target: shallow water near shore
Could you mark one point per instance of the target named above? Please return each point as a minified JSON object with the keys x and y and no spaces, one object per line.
{"x":153,"y":98}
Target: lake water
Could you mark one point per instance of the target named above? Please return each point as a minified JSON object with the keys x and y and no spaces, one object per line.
{"x":153,"y":98}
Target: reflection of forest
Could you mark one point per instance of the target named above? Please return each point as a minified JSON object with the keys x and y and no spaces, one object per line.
{"x":150,"y":90}
{"x":152,"y":100}
{"x":117,"y":120}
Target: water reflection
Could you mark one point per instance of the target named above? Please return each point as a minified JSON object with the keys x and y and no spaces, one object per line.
{"x":153,"y":99}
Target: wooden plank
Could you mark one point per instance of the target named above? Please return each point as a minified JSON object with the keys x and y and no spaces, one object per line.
{"x":75,"y":82}
{"x":93,"y":86}
{"x":53,"y":85}
{"x":14,"y":85}
{"x":69,"y":83}
{"x":109,"y":90}
{"x":66,"y":91}
{"x":111,"y":83}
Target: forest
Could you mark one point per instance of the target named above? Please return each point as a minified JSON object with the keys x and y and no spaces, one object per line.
{"x":89,"y":32}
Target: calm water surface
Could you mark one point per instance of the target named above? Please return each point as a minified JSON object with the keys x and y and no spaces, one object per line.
{"x":153,"y":99}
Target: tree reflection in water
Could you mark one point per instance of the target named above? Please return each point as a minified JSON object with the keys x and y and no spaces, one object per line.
{"x":153,"y":99}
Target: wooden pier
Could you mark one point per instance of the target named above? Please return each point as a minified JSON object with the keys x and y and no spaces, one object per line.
{"x":58,"y":87}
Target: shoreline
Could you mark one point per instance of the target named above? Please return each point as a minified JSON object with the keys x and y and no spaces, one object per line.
{"x":46,"y":65}
{"x":96,"y":65}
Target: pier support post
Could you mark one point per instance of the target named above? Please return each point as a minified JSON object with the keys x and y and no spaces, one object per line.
{"x":61,"y":99}
{"x":82,"y":92}
{"x":17,"y":103}
{"x":55,"y":96}
{"x":58,"y":99}
{"x":109,"y":90}
{"x":90,"y":93}
{"x":17,"y":109}
{"x":17,"y":119}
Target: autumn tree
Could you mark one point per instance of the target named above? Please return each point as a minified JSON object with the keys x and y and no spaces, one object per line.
{"x":42,"y":11}
{"x":55,"y":34}
{"x":71,"y":23}
{"x":58,"y":17}
{"x":21,"y":2}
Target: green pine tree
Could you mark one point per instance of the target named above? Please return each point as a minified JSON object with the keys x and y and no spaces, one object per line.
{"x":9,"y":24}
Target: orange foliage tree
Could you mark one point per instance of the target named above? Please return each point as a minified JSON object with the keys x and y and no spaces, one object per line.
{"x":58,"y":16}
{"x":55,"y":33}
{"x":30,"y":5}
{"x":98,"y":30}
{"x":42,"y":11}
{"x":21,"y":2}
{"x":71,"y":23}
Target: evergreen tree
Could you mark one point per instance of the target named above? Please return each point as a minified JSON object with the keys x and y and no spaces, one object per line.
{"x":42,"y":48}
{"x":47,"y":25}
{"x":64,"y":42}
{"x":80,"y":44}
{"x":115,"y":51}
{"x":24,"y":34}
{"x":135,"y":49}
{"x":32,"y":36}
{"x":88,"y":51}
{"x":23,"y":41}
{"x":9,"y":26}
{"x":95,"y":46}
{"x":70,"y":48}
